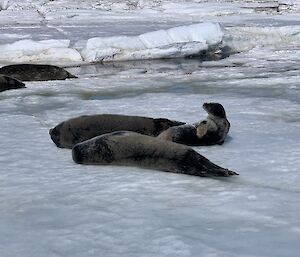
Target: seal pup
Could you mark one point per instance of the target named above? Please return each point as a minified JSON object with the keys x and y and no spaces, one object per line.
{"x":210,"y":131}
{"x":7,"y":83}
{"x":75,"y":130}
{"x":35,"y":72}
{"x":134,"y":149}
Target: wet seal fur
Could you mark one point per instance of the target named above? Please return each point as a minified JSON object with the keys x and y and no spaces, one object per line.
{"x":7,"y":83}
{"x":134,"y":149}
{"x":76,"y":130}
{"x":213,"y":130}
{"x":35,"y":72}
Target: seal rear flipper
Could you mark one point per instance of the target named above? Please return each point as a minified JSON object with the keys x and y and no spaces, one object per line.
{"x":221,"y":172}
{"x":71,"y":76}
{"x":204,"y":167}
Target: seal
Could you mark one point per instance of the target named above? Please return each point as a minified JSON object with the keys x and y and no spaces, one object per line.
{"x":35,"y":72}
{"x":213,"y":130}
{"x":7,"y":83}
{"x":134,"y":149}
{"x":70,"y":132}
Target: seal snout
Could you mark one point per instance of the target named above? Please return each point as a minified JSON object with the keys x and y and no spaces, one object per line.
{"x":55,"y":136}
{"x":76,"y":155}
{"x":206,"y":106}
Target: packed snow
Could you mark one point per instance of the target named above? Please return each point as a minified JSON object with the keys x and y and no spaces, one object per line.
{"x":50,"y":206}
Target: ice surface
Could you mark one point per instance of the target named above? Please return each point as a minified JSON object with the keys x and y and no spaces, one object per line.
{"x":49,"y":206}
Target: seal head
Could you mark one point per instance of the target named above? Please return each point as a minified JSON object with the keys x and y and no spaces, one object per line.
{"x":215,"y":110}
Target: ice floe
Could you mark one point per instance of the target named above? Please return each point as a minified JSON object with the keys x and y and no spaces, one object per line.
{"x":171,"y":43}
{"x":38,"y":51}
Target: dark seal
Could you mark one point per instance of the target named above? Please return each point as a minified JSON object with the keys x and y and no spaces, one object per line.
{"x":75,"y":130}
{"x":210,"y":131}
{"x":35,"y":72}
{"x":134,"y":149}
{"x":7,"y":83}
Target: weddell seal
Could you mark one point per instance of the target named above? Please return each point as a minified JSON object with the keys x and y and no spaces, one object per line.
{"x":210,"y":131}
{"x":134,"y":149}
{"x":35,"y":72}
{"x":7,"y":83}
{"x":75,"y":130}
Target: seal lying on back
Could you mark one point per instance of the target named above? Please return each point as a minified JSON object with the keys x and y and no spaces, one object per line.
{"x":134,"y":149}
{"x":7,"y":83}
{"x":35,"y":72}
{"x":73,"y":131}
{"x":210,"y":131}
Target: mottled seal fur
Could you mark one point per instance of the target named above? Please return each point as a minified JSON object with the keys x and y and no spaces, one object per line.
{"x":75,"y":130}
{"x":210,"y":131}
{"x":35,"y":72}
{"x":134,"y":149}
{"x":7,"y":83}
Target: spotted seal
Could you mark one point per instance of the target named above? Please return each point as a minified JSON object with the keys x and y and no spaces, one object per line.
{"x":7,"y":83}
{"x":210,"y":131}
{"x":75,"y":130}
{"x":134,"y":149}
{"x":35,"y":72}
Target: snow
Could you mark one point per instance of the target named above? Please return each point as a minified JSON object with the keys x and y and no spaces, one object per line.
{"x":50,"y":206}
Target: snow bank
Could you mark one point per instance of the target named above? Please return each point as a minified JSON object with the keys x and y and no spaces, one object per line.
{"x":38,"y":51}
{"x":175,"y":42}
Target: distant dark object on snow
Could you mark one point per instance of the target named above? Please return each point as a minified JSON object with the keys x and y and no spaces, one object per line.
{"x":7,"y":83}
{"x":35,"y":72}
